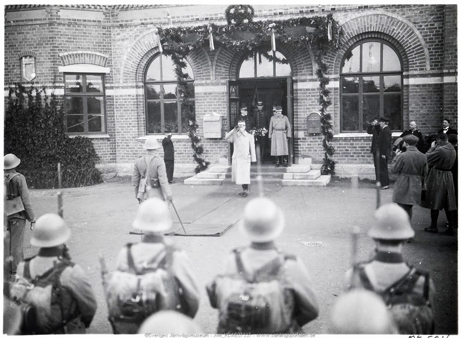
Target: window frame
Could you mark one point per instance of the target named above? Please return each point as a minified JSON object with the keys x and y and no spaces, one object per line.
{"x":361,"y":75}
{"x":21,"y":63}
{"x":254,"y":55}
{"x":85,"y":95}
{"x":161,"y":100}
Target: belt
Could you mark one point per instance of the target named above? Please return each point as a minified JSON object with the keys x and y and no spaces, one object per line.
{"x":280,"y":129}
{"x":442,"y":169}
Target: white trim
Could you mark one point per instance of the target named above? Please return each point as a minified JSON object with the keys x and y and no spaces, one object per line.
{"x":343,"y":135}
{"x":83,"y":68}
{"x":161,"y":137}
{"x":314,"y":85}
{"x":89,"y":135}
{"x":210,"y":89}
{"x":123,"y":91}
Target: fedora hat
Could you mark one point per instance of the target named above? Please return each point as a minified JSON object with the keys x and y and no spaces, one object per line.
{"x":10,"y":161}
{"x":151,"y":143}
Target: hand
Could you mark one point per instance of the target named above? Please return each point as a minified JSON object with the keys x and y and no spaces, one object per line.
{"x":170,"y":198}
{"x":383,"y":156}
{"x":433,"y":144}
{"x":398,"y":152}
{"x":236,"y":127}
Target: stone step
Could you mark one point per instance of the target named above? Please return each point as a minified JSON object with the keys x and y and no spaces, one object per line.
{"x":322,"y":181}
{"x":209,"y":181}
{"x":311,"y":175}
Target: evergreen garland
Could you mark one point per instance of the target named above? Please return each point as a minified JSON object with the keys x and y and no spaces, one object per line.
{"x":320,"y":33}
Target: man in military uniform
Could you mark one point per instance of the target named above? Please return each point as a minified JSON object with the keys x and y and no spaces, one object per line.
{"x":243,"y":116}
{"x":390,"y":231}
{"x":78,"y":299}
{"x":414,"y":131}
{"x":18,"y":209}
{"x":151,"y":167}
{"x":262,"y":127}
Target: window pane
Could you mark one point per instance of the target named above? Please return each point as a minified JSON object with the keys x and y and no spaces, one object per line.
{"x":371,"y":84}
{"x":282,"y":69}
{"x":247,"y":68}
{"x":95,"y":123}
{"x":168,"y":69}
{"x":391,"y":61}
{"x":153,"y":92}
{"x":370,"y":109}
{"x":171,"y":116}
{"x":153,"y":73}
{"x":95,"y":105}
{"x":74,"y":105}
{"x":350,"y":121}
{"x":393,"y":110}
{"x":153,"y":117}
{"x":371,"y":57}
{"x":75,"y":124}
{"x":392,"y":84}
{"x":169,"y":91}
{"x":28,"y":67}
{"x":73,"y":83}
{"x":265,"y":68}
{"x":350,"y":85}
{"x":352,"y":61}
{"x":191,"y":88}
{"x":94,"y":84}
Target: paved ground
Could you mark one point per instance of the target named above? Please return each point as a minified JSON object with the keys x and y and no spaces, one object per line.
{"x":318,"y":229}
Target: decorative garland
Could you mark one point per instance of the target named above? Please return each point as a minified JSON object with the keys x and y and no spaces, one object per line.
{"x":320,"y":33}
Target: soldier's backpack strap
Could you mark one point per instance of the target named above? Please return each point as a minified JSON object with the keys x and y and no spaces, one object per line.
{"x":26,"y":272}
{"x":271,"y":268}
{"x":364,"y":280}
{"x":130,"y":260}
{"x":8,"y":181}
{"x":408,"y":282}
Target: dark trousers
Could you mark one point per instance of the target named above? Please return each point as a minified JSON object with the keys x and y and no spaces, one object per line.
{"x":376,"y":164}
{"x":261,"y":144}
{"x":383,"y":172}
{"x":169,"y":164}
{"x":451,"y":217}
{"x":17,"y":229}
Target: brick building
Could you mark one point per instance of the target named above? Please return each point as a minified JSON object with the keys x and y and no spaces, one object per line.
{"x":398,"y":61}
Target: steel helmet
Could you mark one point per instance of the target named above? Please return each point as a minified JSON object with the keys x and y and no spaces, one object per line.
{"x":153,"y":215}
{"x":360,"y":311}
{"x":392,"y":223}
{"x":151,"y":143}
{"x":169,"y":322}
{"x":49,"y":231}
{"x":262,"y":221}
{"x":10,"y":161}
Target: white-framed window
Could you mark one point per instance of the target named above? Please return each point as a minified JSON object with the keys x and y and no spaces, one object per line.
{"x":371,"y":86}
{"x":28,"y":72}
{"x":85,"y":102}
{"x":264,"y":65}
{"x":163,"y":101}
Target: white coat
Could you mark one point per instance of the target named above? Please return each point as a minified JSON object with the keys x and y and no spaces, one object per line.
{"x":244,"y":153}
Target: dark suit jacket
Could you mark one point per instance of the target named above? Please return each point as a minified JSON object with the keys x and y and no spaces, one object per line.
{"x":168,"y":149}
{"x":450,"y":131}
{"x":374,"y":130}
{"x":417,"y":133}
{"x":385,"y":142}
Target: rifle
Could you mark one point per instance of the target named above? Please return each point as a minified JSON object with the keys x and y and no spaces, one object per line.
{"x":104,"y":272}
{"x":378,"y":183}
{"x":60,"y":205}
{"x":61,"y":296}
{"x":354,"y":260}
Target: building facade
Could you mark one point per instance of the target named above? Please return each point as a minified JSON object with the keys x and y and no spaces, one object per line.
{"x":397,"y":61}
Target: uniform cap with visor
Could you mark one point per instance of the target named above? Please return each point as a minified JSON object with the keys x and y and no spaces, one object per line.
{"x":391,"y":223}
{"x":50,"y":230}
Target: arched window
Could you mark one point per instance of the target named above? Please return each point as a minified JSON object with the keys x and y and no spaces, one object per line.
{"x":371,"y":86}
{"x":163,"y":101}
{"x":263,"y":65}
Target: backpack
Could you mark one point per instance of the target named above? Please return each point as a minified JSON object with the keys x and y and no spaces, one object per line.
{"x":41,"y":300}
{"x":134,"y":295}
{"x":261,"y":304}
{"x":412,"y":311}
{"x":146,"y":182}
{"x":13,"y":203}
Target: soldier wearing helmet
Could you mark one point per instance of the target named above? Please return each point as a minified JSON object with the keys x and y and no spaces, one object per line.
{"x":18,"y":209}
{"x":262,"y":224}
{"x":153,"y":219}
{"x":149,"y":175}
{"x":360,"y":312}
{"x":78,"y":299}
{"x":390,"y":231}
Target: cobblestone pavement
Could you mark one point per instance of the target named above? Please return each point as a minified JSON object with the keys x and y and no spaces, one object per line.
{"x":318,"y":229}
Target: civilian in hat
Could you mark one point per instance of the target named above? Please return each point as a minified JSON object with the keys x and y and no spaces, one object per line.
{"x":243,"y":116}
{"x":413,"y":131}
{"x":263,"y":222}
{"x":149,"y":175}
{"x":390,"y":231}
{"x":76,"y":295}
{"x":360,"y":312}
{"x":411,"y":169}
{"x":18,"y":209}
{"x":279,"y":132}
{"x":168,"y":156}
{"x":262,"y":127}
{"x":374,"y":129}
{"x":385,"y":152}
{"x":439,"y":183}
{"x":446,"y":129}
{"x":153,"y":252}
{"x":244,"y":153}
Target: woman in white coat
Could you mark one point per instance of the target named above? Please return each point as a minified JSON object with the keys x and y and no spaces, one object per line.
{"x":244,"y":153}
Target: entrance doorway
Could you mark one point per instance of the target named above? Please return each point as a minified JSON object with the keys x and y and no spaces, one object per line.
{"x":272,"y":92}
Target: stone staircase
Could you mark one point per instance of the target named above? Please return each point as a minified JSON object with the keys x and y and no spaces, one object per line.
{"x":294,"y":175}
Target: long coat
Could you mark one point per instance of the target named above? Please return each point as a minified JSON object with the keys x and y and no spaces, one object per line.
{"x":440,"y":186}
{"x":244,"y":154}
{"x":411,"y":168}
{"x":279,"y":130}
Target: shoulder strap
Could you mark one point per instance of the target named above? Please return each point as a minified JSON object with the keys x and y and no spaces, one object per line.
{"x":270,"y":268}
{"x":407,"y":283}
{"x":364,"y":280}
{"x":129,"y":258}
{"x":8,"y":186}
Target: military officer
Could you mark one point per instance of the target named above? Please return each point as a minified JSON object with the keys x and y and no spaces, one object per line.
{"x":262,"y":127}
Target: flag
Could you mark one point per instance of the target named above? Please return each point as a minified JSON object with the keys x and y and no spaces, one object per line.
{"x":330,"y":33}
{"x":210,"y":37}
